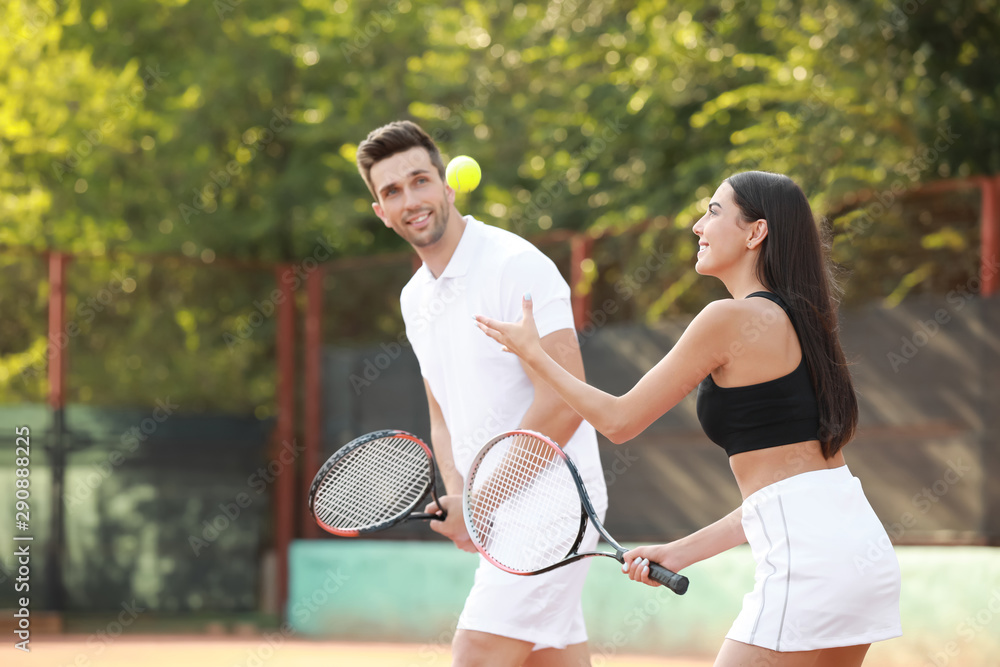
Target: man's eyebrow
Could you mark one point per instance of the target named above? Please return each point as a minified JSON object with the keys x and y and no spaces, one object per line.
{"x":413,"y":173}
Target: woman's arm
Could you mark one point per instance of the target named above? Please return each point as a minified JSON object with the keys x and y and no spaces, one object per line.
{"x":711,"y":540}
{"x":701,"y":349}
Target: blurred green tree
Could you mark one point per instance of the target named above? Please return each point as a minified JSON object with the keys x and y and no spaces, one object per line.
{"x":227,"y":130}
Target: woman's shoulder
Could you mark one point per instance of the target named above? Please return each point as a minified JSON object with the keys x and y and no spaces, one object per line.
{"x":733,"y":318}
{"x":729,"y":311}
{"x":716,"y":322}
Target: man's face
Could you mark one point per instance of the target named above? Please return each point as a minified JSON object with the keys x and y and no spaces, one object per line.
{"x":412,"y":199}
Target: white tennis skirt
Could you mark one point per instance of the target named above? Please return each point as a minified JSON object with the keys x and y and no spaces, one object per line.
{"x":826,"y":573}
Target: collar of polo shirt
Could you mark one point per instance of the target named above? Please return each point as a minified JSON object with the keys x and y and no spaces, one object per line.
{"x":464,"y":253}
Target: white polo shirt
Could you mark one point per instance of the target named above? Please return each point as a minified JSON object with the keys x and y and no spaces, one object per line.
{"x":482,"y":390}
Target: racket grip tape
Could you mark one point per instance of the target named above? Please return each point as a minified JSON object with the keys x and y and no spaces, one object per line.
{"x":678,"y":583}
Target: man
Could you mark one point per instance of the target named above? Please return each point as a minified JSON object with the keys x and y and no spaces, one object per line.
{"x":475,"y":390}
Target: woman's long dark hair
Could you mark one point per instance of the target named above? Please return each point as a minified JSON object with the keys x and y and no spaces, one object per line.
{"x":792,"y":265}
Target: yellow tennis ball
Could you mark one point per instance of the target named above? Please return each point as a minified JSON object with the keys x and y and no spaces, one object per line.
{"x":463,"y":174}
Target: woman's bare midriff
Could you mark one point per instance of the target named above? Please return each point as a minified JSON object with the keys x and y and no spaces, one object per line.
{"x":762,"y":467}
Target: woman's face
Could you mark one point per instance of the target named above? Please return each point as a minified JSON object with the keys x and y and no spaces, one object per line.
{"x":722,"y":235}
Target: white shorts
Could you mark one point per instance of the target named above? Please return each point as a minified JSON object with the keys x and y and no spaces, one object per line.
{"x":826,"y":573}
{"x":544,"y":609}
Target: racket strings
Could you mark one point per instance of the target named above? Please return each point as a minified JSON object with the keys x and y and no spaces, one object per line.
{"x":524,"y":505}
{"x":519,"y":469}
{"x":373,"y":484}
{"x":357,"y":497}
{"x":372,"y":480}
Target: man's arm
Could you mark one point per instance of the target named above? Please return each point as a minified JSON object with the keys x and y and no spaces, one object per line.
{"x":441,"y":442}
{"x":453,"y":527}
{"x":548,"y":413}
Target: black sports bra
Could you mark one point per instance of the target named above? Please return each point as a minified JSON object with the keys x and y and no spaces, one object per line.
{"x":758,"y":416}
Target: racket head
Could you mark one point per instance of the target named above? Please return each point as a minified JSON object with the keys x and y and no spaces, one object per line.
{"x":371,"y":483}
{"x":522,"y":503}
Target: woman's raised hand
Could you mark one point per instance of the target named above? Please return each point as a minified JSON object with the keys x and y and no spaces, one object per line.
{"x":521,"y":338}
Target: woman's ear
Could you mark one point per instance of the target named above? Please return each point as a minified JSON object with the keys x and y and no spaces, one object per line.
{"x":758,"y":233}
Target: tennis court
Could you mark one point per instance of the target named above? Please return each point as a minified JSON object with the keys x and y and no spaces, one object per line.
{"x":258,"y":650}
{"x":249,"y":652}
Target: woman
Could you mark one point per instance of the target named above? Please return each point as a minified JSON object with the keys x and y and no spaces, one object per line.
{"x":776,"y":394}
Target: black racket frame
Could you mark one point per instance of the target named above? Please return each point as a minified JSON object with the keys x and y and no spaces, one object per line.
{"x":408,"y":514}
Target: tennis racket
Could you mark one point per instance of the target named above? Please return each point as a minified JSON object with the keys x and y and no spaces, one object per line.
{"x":373,"y":483}
{"x":526,"y":509}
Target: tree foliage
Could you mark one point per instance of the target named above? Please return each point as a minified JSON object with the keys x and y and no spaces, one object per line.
{"x":227,"y":129}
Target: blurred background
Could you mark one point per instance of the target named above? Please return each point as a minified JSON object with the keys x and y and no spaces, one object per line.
{"x":198,"y":306}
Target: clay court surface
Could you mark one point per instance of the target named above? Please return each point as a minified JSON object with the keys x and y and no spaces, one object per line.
{"x":257,"y":651}
{"x":164,"y":651}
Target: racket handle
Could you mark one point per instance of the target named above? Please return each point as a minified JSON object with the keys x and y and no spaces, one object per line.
{"x":420,"y":516}
{"x":678,"y":583}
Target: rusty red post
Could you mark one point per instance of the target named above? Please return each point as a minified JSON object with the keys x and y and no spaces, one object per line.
{"x":284,"y":485}
{"x":313,"y":381}
{"x":58,"y":338}
{"x":990,"y":236}
{"x":57,"y":348}
{"x":581,"y":246}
